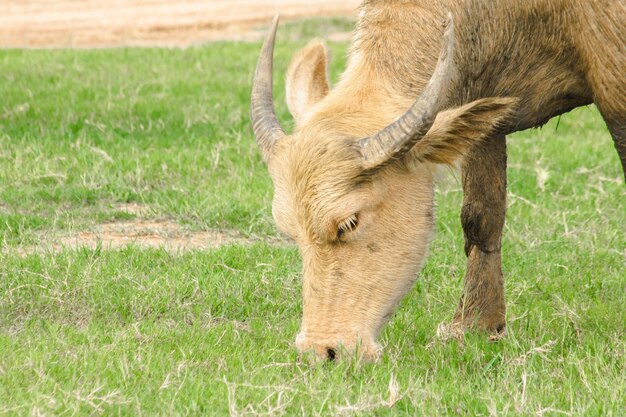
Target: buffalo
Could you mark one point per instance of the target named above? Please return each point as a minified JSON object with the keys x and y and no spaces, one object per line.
{"x":353,"y":184}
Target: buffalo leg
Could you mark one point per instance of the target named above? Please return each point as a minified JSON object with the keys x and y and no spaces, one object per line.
{"x":617,"y":127}
{"x":482,"y":303}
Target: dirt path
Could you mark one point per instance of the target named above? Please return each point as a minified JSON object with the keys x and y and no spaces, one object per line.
{"x":102,"y":23}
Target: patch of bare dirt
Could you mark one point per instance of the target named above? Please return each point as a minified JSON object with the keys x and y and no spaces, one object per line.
{"x":147,"y":234}
{"x":142,"y":233}
{"x":106,"y":23}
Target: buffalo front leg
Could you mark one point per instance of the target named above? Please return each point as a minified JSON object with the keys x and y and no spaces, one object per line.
{"x":617,"y":127}
{"x":482,"y":303}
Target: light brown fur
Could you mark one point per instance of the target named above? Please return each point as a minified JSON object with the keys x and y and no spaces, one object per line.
{"x":550,"y":55}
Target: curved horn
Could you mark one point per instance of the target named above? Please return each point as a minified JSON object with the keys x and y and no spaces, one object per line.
{"x":400,"y":136}
{"x":264,"y":123}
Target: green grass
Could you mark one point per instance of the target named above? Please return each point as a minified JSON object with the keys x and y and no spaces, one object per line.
{"x":147,"y":332}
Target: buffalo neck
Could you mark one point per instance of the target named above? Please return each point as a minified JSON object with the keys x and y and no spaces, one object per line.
{"x":504,"y":48}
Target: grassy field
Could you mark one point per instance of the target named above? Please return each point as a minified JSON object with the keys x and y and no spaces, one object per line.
{"x":138,"y":331}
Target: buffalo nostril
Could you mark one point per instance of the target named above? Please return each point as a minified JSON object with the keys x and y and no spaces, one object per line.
{"x":331,"y":354}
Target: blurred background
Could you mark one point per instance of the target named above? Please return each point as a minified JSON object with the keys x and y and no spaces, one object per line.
{"x":106,"y":23}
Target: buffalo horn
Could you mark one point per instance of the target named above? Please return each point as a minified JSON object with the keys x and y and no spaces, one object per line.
{"x":265,"y":125}
{"x":399,"y":137}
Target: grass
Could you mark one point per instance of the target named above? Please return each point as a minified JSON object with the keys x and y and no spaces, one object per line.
{"x":147,"y":332}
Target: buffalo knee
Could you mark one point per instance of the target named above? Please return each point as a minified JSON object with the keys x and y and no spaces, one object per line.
{"x":482,"y":225}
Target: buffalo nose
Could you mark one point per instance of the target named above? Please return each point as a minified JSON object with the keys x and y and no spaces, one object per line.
{"x":331,"y":354}
{"x":333,"y":348}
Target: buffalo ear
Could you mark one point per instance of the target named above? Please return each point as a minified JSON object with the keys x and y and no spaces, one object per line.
{"x":456,"y":130}
{"x":307,"y":80}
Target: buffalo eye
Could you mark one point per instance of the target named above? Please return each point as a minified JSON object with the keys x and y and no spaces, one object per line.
{"x":347,"y":226}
